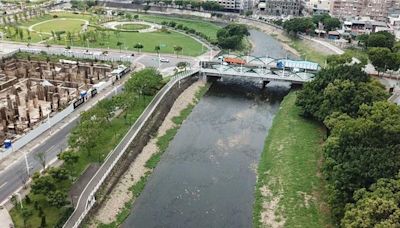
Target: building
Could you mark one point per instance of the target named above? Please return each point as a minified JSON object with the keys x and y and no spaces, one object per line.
{"x":364,"y":26}
{"x":317,"y":6}
{"x":235,"y":5}
{"x":280,"y":7}
{"x":375,"y":9}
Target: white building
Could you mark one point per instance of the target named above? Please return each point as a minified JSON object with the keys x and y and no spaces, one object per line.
{"x":235,"y":5}
{"x":317,"y":6}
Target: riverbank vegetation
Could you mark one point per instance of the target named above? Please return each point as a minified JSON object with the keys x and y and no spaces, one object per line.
{"x":100,"y":129}
{"x":362,"y":151}
{"x":162,"y":144}
{"x":289,"y":190}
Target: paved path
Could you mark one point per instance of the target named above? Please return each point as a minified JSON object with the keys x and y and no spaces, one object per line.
{"x":113,"y":25}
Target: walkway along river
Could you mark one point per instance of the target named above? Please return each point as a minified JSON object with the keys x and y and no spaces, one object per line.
{"x":206,"y":177}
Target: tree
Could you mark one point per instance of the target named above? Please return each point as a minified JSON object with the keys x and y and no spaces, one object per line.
{"x":296,"y":25}
{"x":318,"y":94}
{"x":69,"y":157}
{"x":43,"y":185}
{"x":379,"y":57}
{"x":230,"y":37}
{"x":57,"y":199}
{"x":58,"y":174}
{"x":358,"y":149}
{"x":331,"y":23}
{"x":119,"y":44}
{"x":379,"y":206}
{"x":41,"y":158}
{"x":138,"y":46}
{"x":381,"y":39}
{"x":177,"y":49}
{"x":182,"y":65}
{"x":363,"y":40}
{"x":316,"y":18}
{"x":146,"y":82}
{"x":157,"y":48}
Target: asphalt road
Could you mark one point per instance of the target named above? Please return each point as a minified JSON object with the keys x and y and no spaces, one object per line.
{"x":14,"y":176}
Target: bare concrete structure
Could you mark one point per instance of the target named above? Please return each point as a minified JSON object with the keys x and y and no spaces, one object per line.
{"x":31,"y":91}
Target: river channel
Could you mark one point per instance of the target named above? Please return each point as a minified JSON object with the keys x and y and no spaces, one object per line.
{"x":207,"y":175}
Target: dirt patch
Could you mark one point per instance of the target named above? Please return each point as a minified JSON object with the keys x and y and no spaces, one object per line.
{"x":270,"y":216}
{"x":120,"y":193}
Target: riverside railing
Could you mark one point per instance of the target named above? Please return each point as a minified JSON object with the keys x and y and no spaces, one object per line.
{"x":87,"y":197}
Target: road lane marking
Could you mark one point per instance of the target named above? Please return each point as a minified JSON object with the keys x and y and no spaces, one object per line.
{"x":3,"y":184}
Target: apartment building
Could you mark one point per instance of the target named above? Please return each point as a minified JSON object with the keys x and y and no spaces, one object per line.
{"x":317,"y":6}
{"x":280,"y":7}
{"x":235,"y":5}
{"x":375,"y":9}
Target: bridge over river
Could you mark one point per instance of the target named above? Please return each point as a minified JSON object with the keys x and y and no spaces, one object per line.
{"x":264,"y":69}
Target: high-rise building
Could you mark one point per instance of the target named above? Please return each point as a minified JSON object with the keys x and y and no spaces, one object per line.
{"x":375,"y":9}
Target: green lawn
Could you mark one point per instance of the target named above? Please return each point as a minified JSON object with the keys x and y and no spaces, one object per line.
{"x":60,"y":24}
{"x":308,"y":52}
{"x":167,"y":40}
{"x":288,"y":172}
{"x":132,"y":26}
{"x":208,"y":28}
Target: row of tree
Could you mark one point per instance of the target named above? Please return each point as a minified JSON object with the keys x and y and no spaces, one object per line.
{"x":363,"y":144}
{"x":85,"y":141}
{"x":188,"y":30}
{"x":309,"y":24}
{"x":23,"y":16}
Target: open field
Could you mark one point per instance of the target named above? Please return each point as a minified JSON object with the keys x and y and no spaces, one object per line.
{"x":60,"y":24}
{"x":289,"y":190}
{"x":205,"y":27}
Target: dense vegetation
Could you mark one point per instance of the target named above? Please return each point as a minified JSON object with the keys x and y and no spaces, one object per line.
{"x":363,"y":144}
{"x":230,"y":37}
{"x":100,"y":129}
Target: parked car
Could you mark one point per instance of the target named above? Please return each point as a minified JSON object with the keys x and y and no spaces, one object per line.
{"x":164,"y":60}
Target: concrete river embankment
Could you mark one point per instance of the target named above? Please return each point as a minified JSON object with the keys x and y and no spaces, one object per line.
{"x":206,"y":177}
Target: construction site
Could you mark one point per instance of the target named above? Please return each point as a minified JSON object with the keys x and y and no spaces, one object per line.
{"x":32,"y":91}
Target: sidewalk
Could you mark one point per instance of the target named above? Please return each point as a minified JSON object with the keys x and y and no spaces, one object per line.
{"x":5,"y":219}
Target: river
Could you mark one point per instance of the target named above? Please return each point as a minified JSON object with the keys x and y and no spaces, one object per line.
{"x":207,"y":175}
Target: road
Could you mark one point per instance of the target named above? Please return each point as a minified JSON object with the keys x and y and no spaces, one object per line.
{"x":14,"y":175}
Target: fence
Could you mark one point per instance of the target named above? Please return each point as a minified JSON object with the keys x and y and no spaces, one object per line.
{"x":79,"y":55}
{"x":44,"y":126}
{"x":112,"y":158}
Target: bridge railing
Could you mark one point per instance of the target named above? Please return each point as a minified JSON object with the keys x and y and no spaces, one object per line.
{"x":89,"y":202}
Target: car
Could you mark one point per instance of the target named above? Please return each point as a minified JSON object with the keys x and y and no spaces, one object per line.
{"x":164,"y":60}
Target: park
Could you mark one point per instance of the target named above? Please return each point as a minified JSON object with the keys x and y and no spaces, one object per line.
{"x":154,"y":34}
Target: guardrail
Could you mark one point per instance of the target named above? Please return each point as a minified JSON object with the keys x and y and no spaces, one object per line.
{"x":87,"y":199}
{"x":80,"y":55}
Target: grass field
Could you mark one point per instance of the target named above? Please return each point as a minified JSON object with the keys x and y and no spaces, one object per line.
{"x":308,"y":52}
{"x":60,"y":24}
{"x":132,"y":26}
{"x":149,"y":40}
{"x":205,"y":27}
{"x":289,"y":189}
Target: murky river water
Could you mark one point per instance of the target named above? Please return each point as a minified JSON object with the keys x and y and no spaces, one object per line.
{"x":206,"y":177}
